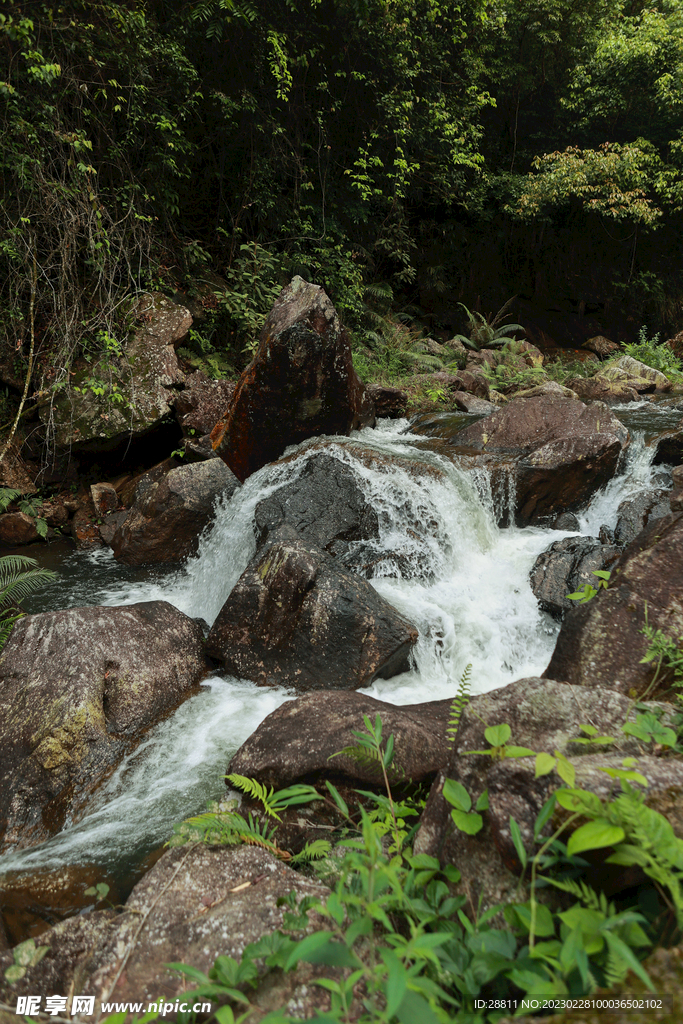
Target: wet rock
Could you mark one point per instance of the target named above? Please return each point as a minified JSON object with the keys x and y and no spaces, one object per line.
{"x":597,"y":389}
{"x":297,"y":618}
{"x":669,"y":447}
{"x":389,"y":402}
{"x":166,"y":521}
{"x":300,"y":383}
{"x":110,"y":524}
{"x":16,"y":528}
{"x":566,"y":521}
{"x":565,"y":567}
{"x":325,"y":505}
{"x":543,"y":715}
{"x":196,"y":903}
{"x":636,"y":374}
{"x":561,"y":452}
{"x":77,"y":690}
{"x":549,"y":387}
{"x":202,"y":402}
{"x":676,"y":495}
{"x":472,"y":404}
{"x":132,"y":489}
{"x":635,"y":513}
{"x":144,"y":377}
{"x":601,"y":345}
{"x":446,"y":425}
{"x":601,"y":643}
{"x":296,"y":742}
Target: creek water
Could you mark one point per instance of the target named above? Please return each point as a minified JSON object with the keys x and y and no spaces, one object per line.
{"x":468,"y":595}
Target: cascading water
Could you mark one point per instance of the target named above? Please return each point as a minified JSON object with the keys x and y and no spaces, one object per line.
{"x":467,"y":592}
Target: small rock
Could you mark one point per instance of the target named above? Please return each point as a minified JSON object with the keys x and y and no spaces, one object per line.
{"x":635,"y":513}
{"x":601,"y":345}
{"x":389,"y":402}
{"x":16,"y":528}
{"x":104,"y":498}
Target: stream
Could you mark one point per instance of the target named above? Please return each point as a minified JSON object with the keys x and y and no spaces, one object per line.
{"x":470,"y":600}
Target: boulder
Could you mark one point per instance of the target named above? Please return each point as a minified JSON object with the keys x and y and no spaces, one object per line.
{"x":166,"y":521}
{"x":300,"y":383}
{"x":297,"y":741}
{"x":471,"y":381}
{"x":78,"y":688}
{"x":324,"y":504}
{"x":138,"y":384}
{"x":132,"y":489}
{"x":198,"y":449}
{"x":597,"y":389}
{"x":17,"y":528}
{"x":104,"y":498}
{"x":197,"y":903}
{"x":669,"y":447}
{"x":389,"y":402}
{"x":676,"y":495}
{"x":548,"y":387}
{"x":635,"y":513}
{"x":638,"y":375}
{"x":296,"y":618}
{"x":560,"y":451}
{"x":565,"y":567}
{"x":543,"y":715}
{"x":472,"y":404}
{"x":601,"y":643}
{"x":601,"y":345}
{"x":85,"y":525}
{"x":202,"y":402}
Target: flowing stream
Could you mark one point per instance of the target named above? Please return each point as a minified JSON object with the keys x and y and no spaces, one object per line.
{"x":469,"y":597}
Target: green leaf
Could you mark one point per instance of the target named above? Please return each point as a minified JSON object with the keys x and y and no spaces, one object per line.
{"x":498,"y":735}
{"x":482,"y":803}
{"x":517,"y":840}
{"x":469,"y":823}
{"x":338,"y":799}
{"x":518,"y":752}
{"x":456,"y":794}
{"x":594,"y":835}
{"x":545,"y":764}
{"x":397,"y":981}
{"x":15,"y":972}
{"x":578,"y":801}
{"x":414,"y":1008}
{"x":321,"y":948}
{"x":627,"y":954}
{"x":565,"y":769}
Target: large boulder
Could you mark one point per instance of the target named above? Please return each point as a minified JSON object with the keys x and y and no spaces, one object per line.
{"x":558,"y":450}
{"x":626,"y":370}
{"x":166,"y":521}
{"x":132,"y":393}
{"x":297,"y":618}
{"x":598,"y":389}
{"x":197,"y":903}
{"x":17,"y":528}
{"x":390,"y":403}
{"x":544,"y":716}
{"x":565,"y":567}
{"x":78,"y":688}
{"x":295,"y":742}
{"x":300,"y":383}
{"x":602,"y":643}
{"x":325,"y":505}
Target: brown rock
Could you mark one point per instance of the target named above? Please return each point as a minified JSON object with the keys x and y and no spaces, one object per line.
{"x":104,"y":498}
{"x":669,"y":447}
{"x":77,"y":690}
{"x":561,"y":451}
{"x":296,"y":741}
{"x":167,"y":519}
{"x":601,"y":345}
{"x":389,"y":402}
{"x":297,"y":618}
{"x":596,"y":389}
{"x":565,"y":567}
{"x":202,"y":403}
{"x":601,"y":643}
{"x":635,"y":513}
{"x":17,"y":528}
{"x":85,"y":527}
{"x":132,"y":489}
{"x":300,"y":383}
{"x":197,"y":903}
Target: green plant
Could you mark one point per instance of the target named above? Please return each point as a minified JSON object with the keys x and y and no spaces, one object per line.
{"x":485,"y":332}
{"x":656,"y":354}
{"x":19,"y":577}
{"x":589,"y":591}
{"x":665,"y":651}
{"x":25,"y":955}
{"x":459,"y":703}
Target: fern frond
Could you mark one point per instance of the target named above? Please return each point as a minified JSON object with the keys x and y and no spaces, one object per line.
{"x":7,"y":496}
{"x":615,"y":969}
{"x":257,"y":791}
{"x":13,"y":591}
{"x":316,"y":850}
{"x":459,"y":703}
{"x":367,"y":757}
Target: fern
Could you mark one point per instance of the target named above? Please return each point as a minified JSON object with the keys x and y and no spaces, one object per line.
{"x":316,"y":850}
{"x":459,"y":703}
{"x":254,"y":789}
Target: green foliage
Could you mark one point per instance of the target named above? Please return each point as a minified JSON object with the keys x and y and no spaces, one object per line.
{"x":589,"y":591}
{"x":25,"y":955}
{"x":19,"y":577}
{"x":664,"y":650}
{"x":485,"y":332}
{"x":459,"y":703}
{"x":655,"y":354}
